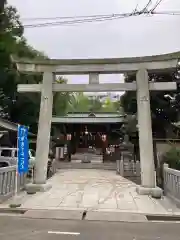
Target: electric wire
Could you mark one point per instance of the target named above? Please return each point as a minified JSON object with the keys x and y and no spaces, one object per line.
{"x":65,"y":17}
{"x":78,"y":21}
{"x":145,"y":9}
{"x":174,"y":13}
{"x":79,"y":17}
{"x":97,"y":19}
{"x":85,"y":19}
{"x":97,"y":16}
{"x":74,"y":20}
{"x":156,"y":5}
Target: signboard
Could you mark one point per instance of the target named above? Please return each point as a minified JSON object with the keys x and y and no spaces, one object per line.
{"x":23,"y":149}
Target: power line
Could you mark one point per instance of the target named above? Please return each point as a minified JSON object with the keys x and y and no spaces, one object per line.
{"x":67,"y":17}
{"x":98,"y":18}
{"x":174,"y":13}
{"x":145,"y":9}
{"x":86,"y":19}
{"x":156,"y":5}
{"x":81,"y":16}
{"x":78,"y":21}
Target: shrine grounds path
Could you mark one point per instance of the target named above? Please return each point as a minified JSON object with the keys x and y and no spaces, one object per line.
{"x":93,"y":195}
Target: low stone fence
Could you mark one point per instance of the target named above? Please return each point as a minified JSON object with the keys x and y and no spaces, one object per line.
{"x":171,"y":183}
{"x":128,"y":167}
{"x":8,"y":182}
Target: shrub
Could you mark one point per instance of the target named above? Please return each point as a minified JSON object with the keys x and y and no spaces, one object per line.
{"x":172,"y":157}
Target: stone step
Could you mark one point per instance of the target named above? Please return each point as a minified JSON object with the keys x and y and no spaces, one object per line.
{"x":72,"y":165}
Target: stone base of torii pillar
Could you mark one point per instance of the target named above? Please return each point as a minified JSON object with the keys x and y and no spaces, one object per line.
{"x":155,"y":192}
{"x":33,"y":188}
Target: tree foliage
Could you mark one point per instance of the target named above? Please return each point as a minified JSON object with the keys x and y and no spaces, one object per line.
{"x":61,"y":100}
{"x":110,"y":106}
{"x":81,"y":103}
{"x":17,"y":107}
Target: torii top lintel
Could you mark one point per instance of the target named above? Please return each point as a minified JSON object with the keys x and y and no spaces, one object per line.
{"x":102,"y":66}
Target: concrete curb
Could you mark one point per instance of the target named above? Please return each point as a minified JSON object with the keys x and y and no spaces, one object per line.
{"x":115,"y":217}
{"x":162,"y":217}
{"x":89,"y":216}
{"x":13,"y":210}
{"x":54,"y":214}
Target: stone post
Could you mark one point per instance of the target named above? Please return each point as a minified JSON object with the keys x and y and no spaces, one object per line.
{"x":121,"y":166}
{"x":57,"y":155}
{"x":43,"y":138}
{"x":148,"y":184}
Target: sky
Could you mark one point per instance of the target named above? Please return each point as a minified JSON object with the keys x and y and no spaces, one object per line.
{"x":128,"y":37}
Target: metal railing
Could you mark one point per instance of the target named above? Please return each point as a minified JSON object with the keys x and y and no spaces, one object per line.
{"x":8,"y":182}
{"x":171,"y":183}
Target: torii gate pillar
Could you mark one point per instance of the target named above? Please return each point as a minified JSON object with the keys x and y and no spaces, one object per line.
{"x":43,"y":137}
{"x":148,"y":179}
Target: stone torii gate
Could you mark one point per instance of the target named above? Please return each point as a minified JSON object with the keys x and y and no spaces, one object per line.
{"x":93,"y":67}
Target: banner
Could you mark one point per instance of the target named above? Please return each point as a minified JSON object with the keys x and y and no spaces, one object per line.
{"x":23,"y":149}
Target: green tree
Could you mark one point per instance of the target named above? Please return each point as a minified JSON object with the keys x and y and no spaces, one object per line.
{"x":79,"y":103}
{"x":109,"y":106}
{"x":61,"y":100}
{"x":95,"y":105}
{"x":22,"y":108}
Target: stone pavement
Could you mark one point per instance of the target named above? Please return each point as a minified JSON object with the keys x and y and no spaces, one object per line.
{"x":95,"y":190}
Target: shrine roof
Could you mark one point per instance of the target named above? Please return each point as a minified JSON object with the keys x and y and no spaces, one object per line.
{"x":10,"y":126}
{"x":88,"y":117}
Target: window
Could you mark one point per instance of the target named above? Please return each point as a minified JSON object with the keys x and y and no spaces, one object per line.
{"x":15,"y":153}
{"x":6,"y":153}
{"x":3,"y":164}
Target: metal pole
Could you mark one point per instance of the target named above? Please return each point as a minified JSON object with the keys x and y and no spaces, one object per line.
{"x":17,"y":174}
{"x":32,"y":175}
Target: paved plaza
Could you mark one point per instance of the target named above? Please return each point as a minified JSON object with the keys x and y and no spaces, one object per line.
{"x":94,"y":190}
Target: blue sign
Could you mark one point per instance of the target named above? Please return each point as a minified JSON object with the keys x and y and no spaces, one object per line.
{"x":23,"y":149}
